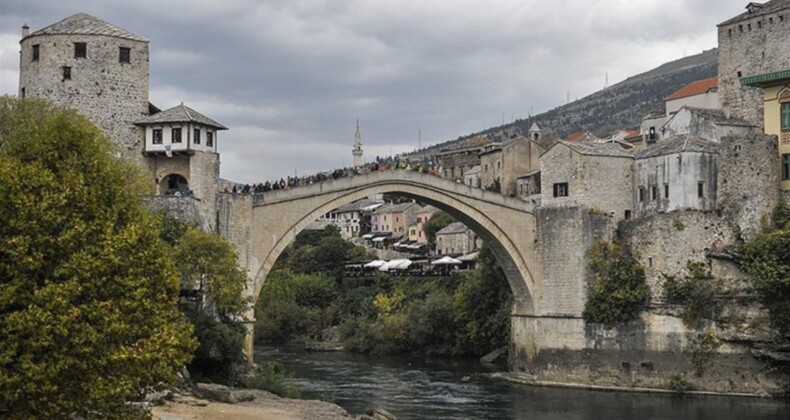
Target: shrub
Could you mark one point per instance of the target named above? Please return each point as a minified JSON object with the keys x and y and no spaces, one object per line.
{"x":270,"y":376}
{"x":219,"y":356}
{"x":767,"y":261}
{"x":618,"y":291}
{"x":680,"y":384}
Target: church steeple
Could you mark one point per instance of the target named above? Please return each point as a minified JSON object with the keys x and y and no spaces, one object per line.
{"x":357,"y":150}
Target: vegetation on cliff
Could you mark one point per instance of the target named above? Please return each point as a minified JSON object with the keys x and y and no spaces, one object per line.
{"x":618,"y":290}
{"x":88,"y":315}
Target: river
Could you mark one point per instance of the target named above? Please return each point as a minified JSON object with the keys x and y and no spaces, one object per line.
{"x":437,"y":389}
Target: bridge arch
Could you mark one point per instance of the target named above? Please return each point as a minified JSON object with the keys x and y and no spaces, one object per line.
{"x":507,"y":224}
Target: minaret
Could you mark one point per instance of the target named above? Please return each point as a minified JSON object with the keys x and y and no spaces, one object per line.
{"x":357,"y":150}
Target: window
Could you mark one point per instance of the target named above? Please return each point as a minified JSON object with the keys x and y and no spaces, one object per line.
{"x":196,"y":140}
{"x":654,"y":192}
{"x":666,"y":190}
{"x":66,"y":73}
{"x":759,"y":24}
{"x":561,"y":189}
{"x":209,"y":139}
{"x":749,"y":26}
{"x":700,"y":189}
{"x":80,"y":50}
{"x":36,"y":52}
{"x":651,"y":133}
{"x":124,"y":55}
{"x":499,"y":165}
{"x":641,"y":194}
{"x":785,"y":166}
{"x":175,"y":135}
{"x":157,"y":136}
{"x":22,"y":93}
{"x":785,"y":111}
{"x":627,"y":214}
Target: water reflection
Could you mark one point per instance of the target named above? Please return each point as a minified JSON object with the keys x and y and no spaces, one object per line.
{"x":435,"y":389}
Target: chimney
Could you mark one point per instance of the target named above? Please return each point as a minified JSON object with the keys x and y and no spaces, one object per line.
{"x":25,"y":30}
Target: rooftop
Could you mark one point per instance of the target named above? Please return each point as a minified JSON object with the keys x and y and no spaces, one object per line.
{"x":357,"y":205}
{"x":393,"y":208}
{"x":85,"y":24}
{"x":758,"y":9}
{"x":718,"y":116}
{"x":455,"y":227}
{"x":677,"y":144}
{"x":695,"y":88}
{"x":180,"y":113}
{"x":597,"y":149}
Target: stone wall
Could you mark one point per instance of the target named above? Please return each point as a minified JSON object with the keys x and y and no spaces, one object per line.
{"x":601,"y":183}
{"x":110,"y":94}
{"x":748,"y":180}
{"x":670,"y":182}
{"x":184,"y":209}
{"x":565,"y":234}
{"x":751,"y":46}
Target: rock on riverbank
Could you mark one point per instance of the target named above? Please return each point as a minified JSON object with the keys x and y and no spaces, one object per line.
{"x":249,"y":404}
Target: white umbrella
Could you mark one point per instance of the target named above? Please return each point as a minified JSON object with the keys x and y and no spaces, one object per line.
{"x":375,"y":264}
{"x":445,"y":261}
{"x":395,"y":265}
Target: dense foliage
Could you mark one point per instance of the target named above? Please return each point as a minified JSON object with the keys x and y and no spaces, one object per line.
{"x":618,"y":290}
{"x":461,"y":314}
{"x":212,"y":298}
{"x":767,"y":261}
{"x":88,"y":316}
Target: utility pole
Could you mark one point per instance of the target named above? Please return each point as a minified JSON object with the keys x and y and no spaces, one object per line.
{"x":419,"y":139}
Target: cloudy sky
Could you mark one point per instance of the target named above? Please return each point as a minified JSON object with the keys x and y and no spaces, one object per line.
{"x":291,"y":77}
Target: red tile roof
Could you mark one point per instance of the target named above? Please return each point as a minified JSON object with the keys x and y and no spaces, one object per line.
{"x":631,"y":133}
{"x":576,"y":136}
{"x":695,"y":88}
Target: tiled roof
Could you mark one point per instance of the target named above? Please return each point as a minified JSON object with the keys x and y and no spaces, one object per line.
{"x":180,"y":113}
{"x":85,"y":24}
{"x":632,"y":133}
{"x":393,"y":208}
{"x":677,"y":144}
{"x":428,"y":209}
{"x":759,"y":10}
{"x":578,"y":135}
{"x":695,"y":88}
{"x":718,"y":116}
{"x":597,"y":149}
{"x":356,"y":206}
{"x":455,"y":227}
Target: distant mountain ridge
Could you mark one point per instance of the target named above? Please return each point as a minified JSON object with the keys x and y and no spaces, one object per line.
{"x":622,"y":105}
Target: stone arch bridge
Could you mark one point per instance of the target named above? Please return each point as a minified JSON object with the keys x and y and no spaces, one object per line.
{"x":262,"y":225}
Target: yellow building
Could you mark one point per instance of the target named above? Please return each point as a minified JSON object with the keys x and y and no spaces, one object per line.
{"x":776,"y":96}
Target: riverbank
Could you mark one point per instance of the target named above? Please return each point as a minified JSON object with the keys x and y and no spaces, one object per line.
{"x":261,"y":405}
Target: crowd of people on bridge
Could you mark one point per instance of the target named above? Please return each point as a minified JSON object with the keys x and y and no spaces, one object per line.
{"x":381,"y":164}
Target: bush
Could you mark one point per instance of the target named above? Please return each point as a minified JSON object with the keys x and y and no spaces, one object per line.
{"x":618,"y":292}
{"x":270,"y":376}
{"x":679,"y":383}
{"x":767,"y":261}
{"x":219,"y":356}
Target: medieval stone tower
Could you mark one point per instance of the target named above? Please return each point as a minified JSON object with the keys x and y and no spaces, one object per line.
{"x":752,"y":43}
{"x":101,"y":70}
{"x":94,"y":67}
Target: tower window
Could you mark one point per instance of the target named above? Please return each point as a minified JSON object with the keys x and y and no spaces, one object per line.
{"x":209,"y":139}
{"x":22,"y":92}
{"x":666,"y":190}
{"x":66,"y":73}
{"x":786,"y":167}
{"x":80,"y":50}
{"x":124,"y":55}
{"x":157,"y":136}
{"x":700,"y":189}
{"x":653,"y":192}
{"x":197,"y":136}
{"x":36,"y":49}
{"x":785,"y":117}
{"x":175,"y":135}
{"x":561,"y":189}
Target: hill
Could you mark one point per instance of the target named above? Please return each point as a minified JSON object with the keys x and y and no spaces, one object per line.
{"x":620,"y":106}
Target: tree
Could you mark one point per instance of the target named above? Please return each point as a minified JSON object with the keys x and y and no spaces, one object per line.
{"x":210,"y":265}
{"x":767,"y":261}
{"x":437,"y":222}
{"x":88,"y":315}
{"x":618,"y":291}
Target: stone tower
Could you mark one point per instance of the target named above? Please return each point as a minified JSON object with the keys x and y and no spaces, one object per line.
{"x":752,"y":43}
{"x":357,"y":150}
{"x":94,"y":67}
{"x":535,"y":132}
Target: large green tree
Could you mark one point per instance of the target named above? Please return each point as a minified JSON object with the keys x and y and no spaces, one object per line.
{"x":435,"y":223}
{"x":88,"y":315}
